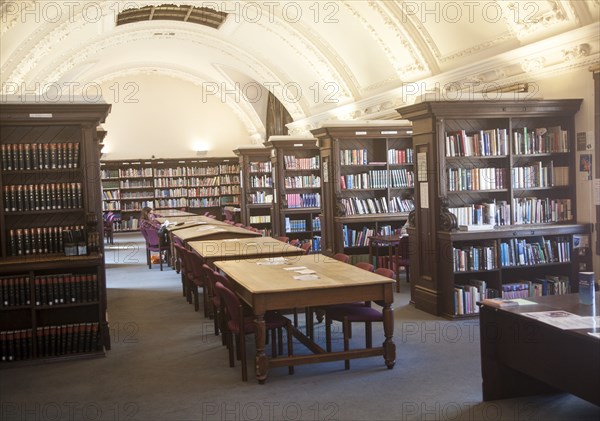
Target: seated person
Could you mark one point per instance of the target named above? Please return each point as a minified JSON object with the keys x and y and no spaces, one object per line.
{"x":148,"y":219}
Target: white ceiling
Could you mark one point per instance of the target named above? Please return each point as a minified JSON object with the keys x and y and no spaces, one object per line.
{"x":323,"y":59}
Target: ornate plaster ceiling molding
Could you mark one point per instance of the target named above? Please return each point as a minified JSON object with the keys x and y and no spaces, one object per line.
{"x":404,"y":71}
{"x":526,"y":19}
{"x":243,"y":111}
{"x":299,"y":46}
{"x":258,"y":70}
{"x":12,"y":12}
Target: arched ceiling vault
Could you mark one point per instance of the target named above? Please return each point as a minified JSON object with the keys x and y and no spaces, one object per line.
{"x":323,"y":60}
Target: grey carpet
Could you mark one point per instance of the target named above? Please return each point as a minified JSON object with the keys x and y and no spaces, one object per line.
{"x":167,"y":364}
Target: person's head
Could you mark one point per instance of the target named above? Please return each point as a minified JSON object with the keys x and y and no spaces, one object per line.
{"x":146,"y":211}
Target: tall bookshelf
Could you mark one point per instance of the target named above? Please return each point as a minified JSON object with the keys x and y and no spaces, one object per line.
{"x":196,"y":185}
{"x":297,"y":177}
{"x":367,"y":174}
{"x":52,"y":274}
{"x":502,"y":172}
{"x":257,"y":188}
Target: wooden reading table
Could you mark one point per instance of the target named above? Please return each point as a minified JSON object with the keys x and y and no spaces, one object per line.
{"x":211,"y":231}
{"x":243,"y":248}
{"x":173,"y":212}
{"x":266,"y":285}
{"x":523,"y":356}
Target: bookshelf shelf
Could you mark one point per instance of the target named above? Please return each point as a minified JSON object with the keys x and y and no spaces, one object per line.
{"x":483,"y":164}
{"x":33,"y":242}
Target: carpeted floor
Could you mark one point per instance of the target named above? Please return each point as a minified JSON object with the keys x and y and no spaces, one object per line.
{"x":167,"y":364}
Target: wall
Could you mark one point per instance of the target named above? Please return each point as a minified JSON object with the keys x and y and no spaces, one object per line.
{"x":165,"y":117}
{"x":578,"y":84}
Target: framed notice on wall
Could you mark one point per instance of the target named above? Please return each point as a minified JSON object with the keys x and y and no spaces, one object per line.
{"x":422,"y":166}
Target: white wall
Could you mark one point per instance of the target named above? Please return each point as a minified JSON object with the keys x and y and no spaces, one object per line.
{"x":161,"y":116}
{"x":579,"y":84}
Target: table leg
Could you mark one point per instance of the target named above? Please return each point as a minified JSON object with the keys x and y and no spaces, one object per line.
{"x":262,"y":363}
{"x":389,"y":347}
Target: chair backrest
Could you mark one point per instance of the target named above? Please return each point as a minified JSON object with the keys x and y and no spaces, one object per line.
{"x":295,"y":242}
{"x":179,"y":252}
{"x":217,"y":277}
{"x":306,"y":247}
{"x":365,"y":266}
{"x":239,"y":224}
{"x":228,"y":215}
{"x":388,"y":273}
{"x":344,"y":258}
{"x":227,"y":221}
{"x":196,"y":262}
{"x":284,"y":239}
{"x":212,"y":216}
{"x":151,"y":237}
{"x":231,"y":301}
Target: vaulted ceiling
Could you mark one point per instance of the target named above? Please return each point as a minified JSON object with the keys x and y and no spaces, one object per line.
{"x":323,"y":59}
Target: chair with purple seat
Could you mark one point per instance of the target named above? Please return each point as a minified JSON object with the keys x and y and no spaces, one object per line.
{"x":365,"y":266}
{"x":240,"y":325}
{"x":360,"y":312}
{"x":154,"y":244}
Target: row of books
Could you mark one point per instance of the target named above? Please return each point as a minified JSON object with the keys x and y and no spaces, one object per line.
{"x":230,"y":179}
{"x":170,"y":182}
{"x":356,"y":238}
{"x":137,"y":206}
{"x":111,"y":195}
{"x":260,"y":197}
{"x":50,"y":341}
{"x":470,"y":258}
{"x":356,"y":206}
{"x":132,"y":184}
{"x":295,"y":225}
{"x":466,"y":296}
{"x":260,"y":166}
{"x":203,"y":181}
{"x":38,"y":156}
{"x":137,"y":194}
{"x":180,"y":202}
{"x":475,"y":214}
{"x":203,"y":191}
{"x":106,"y":174}
{"x":32,"y":197}
{"x":205,"y":202}
{"x":170,"y":172}
{"x":492,"y":142}
{"x":293,"y":163}
{"x":540,"y":140}
{"x":303,"y":200}
{"x":136,"y":173}
{"x":402,"y":178}
{"x":533,"y":210}
{"x":354,"y":157}
{"x":469,"y":179}
{"x":175,"y":192}
{"x":203,"y":170}
{"x":260,"y":181}
{"x":316,"y":224}
{"x":534,"y":250}
{"x":110,"y":206}
{"x":302,"y":181}
{"x":400,"y":156}
{"x":229,"y":169}
{"x":65,"y":288}
{"x":538,"y":287}
{"x":132,"y":224}
{"x":538,"y":175}
{"x":378,"y":179}
{"x":40,"y":240}
{"x":260,"y":219}
{"x":316,"y":243}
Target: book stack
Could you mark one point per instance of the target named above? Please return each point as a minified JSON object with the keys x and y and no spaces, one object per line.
{"x":66,"y":339}
{"x":14,"y":291}
{"x":16,"y":345}
{"x":354,"y":157}
{"x":36,"y":197}
{"x":40,"y":240}
{"x":39,"y":156}
{"x":67,"y":288}
{"x":293,"y":163}
{"x":304,"y":200}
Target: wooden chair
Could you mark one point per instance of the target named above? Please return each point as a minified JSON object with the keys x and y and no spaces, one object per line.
{"x":306,"y":247}
{"x":403,"y":260}
{"x":154,"y":244}
{"x":198,"y":280}
{"x":365,"y":266}
{"x":228,"y":215}
{"x":180,"y":265}
{"x":239,"y":325}
{"x":283,"y":239}
{"x":344,"y":258}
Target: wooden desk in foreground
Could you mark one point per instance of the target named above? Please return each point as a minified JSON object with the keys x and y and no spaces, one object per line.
{"x":523,"y":356}
{"x":267,"y":286}
{"x":243,"y":248}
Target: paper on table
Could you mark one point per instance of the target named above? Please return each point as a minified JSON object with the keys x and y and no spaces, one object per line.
{"x":305,"y":271}
{"x":295,"y":268}
{"x":272,"y":261}
{"x":306,"y":277}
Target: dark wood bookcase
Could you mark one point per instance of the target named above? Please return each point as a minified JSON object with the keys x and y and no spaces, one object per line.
{"x":297,"y":176}
{"x":367,"y":174}
{"x":196,"y":185}
{"x":257,"y":208}
{"x":52,"y":275}
{"x":504,"y":171}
